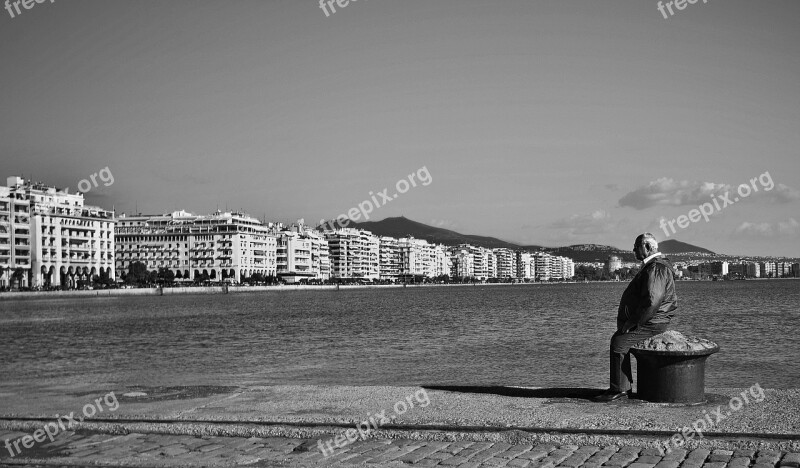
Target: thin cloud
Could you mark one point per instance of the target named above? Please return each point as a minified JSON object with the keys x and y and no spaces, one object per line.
{"x":671,"y":192}
{"x":783,"y":194}
{"x":596,"y":222}
{"x":789,"y":228}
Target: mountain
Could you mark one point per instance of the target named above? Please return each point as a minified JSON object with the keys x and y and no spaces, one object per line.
{"x":673,"y":246}
{"x":403,"y":227}
{"x":591,"y":253}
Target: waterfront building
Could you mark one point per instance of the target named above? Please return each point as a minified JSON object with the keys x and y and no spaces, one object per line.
{"x":718,"y":268}
{"x":482,"y":260}
{"x":506,"y":263}
{"x":221,"y":246}
{"x":613,"y":263}
{"x":526,"y":265}
{"x":767,"y":269}
{"x":737,"y":269}
{"x":49,"y":237}
{"x":354,"y":253}
{"x":753,"y":270}
{"x":389,"y":259}
{"x":783,"y":269}
{"x":420,"y":258}
{"x":796,"y":270}
{"x":302,"y":253}
{"x":544,"y":262}
{"x":491,"y":264}
{"x":462,"y":263}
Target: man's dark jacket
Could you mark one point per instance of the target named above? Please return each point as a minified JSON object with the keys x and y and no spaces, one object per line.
{"x":650,"y":297}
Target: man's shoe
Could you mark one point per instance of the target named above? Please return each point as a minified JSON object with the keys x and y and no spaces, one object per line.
{"x":610,"y":395}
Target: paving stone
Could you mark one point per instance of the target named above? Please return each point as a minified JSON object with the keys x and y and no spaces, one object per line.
{"x":490,"y":452}
{"x":692,"y":463}
{"x":426,"y":462}
{"x":749,"y":453}
{"x":719,"y":457}
{"x":649,"y":459}
{"x":515,"y":451}
{"x":494,"y":461}
{"x":537,"y":452}
{"x":602,"y":455}
{"x":364,"y":457}
{"x":715,"y":465}
{"x":677,"y":454}
{"x":454,"y":461}
{"x":210,"y":448}
{"x":698,"y":454}
{"x":652,"y":452}
{"x":519,"y":462}
{"x":641,"y":465}
{"x":423,"y":452}
{"x":173,"y":450}
{"x":576,"y":459}
{"x":630,"y":449}
{"x":542,"y":464}
{"x":393,"y":454}
{"x":762,"y":464}
{"x":469,"y":465}
{"x":739,"y":462}
{"x":474,"y":448}
{"x":791,"y":460}
{"x":458,"y":446}
{"x":591,"y":465}
{"x":768,"y":457}
{"x":440,"y":455}
{"x":621,"y":459}
{"x":560,"y":454}
{"x":668,"y":464}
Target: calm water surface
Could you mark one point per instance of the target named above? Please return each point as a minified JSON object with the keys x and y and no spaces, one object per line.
{"x":531,"y":335}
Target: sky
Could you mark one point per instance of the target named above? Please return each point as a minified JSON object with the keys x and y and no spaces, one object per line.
{"x":550,"y":123}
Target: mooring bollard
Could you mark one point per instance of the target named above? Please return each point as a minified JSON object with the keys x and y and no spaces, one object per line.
{"x":671,"y":368}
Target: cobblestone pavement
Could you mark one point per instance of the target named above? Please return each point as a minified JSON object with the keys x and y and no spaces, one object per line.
{"x":151,"y":450}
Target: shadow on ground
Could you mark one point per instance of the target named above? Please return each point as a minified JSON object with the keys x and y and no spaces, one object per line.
{"x":554,"y":392}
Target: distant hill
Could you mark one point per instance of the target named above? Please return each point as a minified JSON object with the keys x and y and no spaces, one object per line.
{"x":402,"y":227}
{"x":673,"y":246}
{"x":592,"y":253}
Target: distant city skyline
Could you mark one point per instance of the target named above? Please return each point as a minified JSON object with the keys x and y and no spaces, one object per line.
{"x":547,"y":123}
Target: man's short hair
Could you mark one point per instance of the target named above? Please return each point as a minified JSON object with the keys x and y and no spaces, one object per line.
{"x":649,"y":241}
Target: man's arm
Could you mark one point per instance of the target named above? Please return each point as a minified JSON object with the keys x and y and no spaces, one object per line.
{"x":652,"y":295}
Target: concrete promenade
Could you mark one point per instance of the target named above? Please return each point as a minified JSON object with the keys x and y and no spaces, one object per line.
{"x":401,"y":426}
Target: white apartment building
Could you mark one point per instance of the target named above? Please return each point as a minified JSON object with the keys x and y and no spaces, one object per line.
{"x":420,"y":258}
{"x":506,"y":263}
{"x":51,"y":237}
{"x":302,"y":253}
{"x":389,"y":258}
{"x":354,"y":253}
{"x":526,"y":265}
{"x":462,"y":263}
{"x":221,"y":246}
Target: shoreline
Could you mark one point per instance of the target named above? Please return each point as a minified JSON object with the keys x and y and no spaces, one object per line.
{"x":240,"y":289}
{"x":33,"y":295}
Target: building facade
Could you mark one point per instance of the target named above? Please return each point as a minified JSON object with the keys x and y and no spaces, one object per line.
{"x":222,"y":246}
{"x":50,"y":238}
